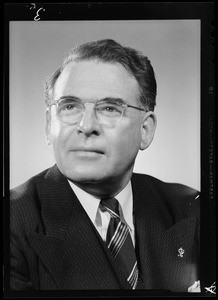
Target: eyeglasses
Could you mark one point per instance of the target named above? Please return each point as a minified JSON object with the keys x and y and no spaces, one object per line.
{"x":108,"y":112}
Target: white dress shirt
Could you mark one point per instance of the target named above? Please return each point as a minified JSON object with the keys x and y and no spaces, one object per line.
{"x":100,"y":218}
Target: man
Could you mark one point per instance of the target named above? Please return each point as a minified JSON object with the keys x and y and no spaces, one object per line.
{"x":100,"y":113}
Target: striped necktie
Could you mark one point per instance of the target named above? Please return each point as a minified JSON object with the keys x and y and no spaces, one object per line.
{"x":119,"y":242}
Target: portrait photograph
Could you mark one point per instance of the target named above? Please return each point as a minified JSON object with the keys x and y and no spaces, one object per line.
{"x":104,"y":111}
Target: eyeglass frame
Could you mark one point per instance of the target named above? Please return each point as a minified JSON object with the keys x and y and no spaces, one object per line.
{"x":122,"y":104}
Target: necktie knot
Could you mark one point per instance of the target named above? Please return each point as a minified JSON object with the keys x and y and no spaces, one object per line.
{"x":111,"y":204}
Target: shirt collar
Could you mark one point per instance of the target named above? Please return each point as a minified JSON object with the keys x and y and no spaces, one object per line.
{"x":91,"y":203}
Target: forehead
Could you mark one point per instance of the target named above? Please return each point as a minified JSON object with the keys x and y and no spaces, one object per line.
{"x":96,"y":80}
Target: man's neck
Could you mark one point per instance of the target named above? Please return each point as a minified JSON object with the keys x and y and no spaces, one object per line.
{"x":104,"y":189}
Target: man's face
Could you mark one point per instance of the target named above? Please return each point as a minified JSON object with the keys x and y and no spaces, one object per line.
{"x":89,"y":151}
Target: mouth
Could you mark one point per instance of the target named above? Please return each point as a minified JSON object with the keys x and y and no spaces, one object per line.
{"x":88,"y":152}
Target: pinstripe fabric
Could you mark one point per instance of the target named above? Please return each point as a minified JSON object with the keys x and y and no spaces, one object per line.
{"x":54,"y":245}
{"x":120,"y":244}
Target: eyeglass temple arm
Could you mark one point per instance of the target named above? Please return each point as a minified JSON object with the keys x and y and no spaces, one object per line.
{"x":139,"y":108}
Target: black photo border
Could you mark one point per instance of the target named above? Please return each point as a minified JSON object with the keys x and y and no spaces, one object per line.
{"x":203,"y":11}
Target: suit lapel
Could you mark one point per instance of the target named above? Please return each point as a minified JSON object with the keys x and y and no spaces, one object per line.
{"x":75,"y":256}
{"x":164,"y":248}
{"x":71,"y":248}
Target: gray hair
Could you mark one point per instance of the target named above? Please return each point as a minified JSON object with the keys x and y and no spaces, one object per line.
{"x":109,"y":51}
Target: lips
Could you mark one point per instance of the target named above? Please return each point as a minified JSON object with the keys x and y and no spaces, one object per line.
{"x":87,"y":154}
{"x":90,"y":150}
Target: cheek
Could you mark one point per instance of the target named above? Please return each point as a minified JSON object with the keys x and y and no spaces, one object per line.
{"x":125,"y":146}
{"x":55,"y":128}
{"x":59,"y":131}
{"x":60,"y":136}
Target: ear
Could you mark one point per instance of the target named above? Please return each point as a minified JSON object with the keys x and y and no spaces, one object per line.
{"x":148,"y":129}
{"x":48,"y":126}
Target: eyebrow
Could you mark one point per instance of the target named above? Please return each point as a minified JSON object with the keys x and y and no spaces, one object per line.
{"x":69,"y":96}
{"x":112,"y":99}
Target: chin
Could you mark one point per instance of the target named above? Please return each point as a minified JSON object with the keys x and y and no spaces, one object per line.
{"x":86,"y":176}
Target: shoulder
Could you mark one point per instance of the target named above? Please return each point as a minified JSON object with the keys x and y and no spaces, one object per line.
{"x":168,"y":188}
{"x":25,"y":202}
{"x":27,"y":189}
{"x":180,"y":199}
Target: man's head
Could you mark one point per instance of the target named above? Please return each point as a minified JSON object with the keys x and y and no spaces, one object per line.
{"x":95,"y":145}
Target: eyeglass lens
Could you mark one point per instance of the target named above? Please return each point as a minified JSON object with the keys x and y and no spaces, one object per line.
{"x":107,"y":112}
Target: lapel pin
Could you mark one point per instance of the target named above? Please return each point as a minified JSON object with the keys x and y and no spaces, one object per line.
{"x":181,"y":252}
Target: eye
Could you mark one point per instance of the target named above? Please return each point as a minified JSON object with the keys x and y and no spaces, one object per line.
{"x":110,"y":108}
{"x":67,"y":107}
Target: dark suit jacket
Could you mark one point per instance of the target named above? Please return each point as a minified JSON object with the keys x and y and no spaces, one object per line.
{"x":54,"y":245}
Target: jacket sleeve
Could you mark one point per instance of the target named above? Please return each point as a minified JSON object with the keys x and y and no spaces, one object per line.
{"x":19,"y":273}
{"x":23,"y":268}
{"x":19,"y":270}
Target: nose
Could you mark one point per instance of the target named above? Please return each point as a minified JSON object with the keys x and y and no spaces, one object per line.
{"x":89,"y":124}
